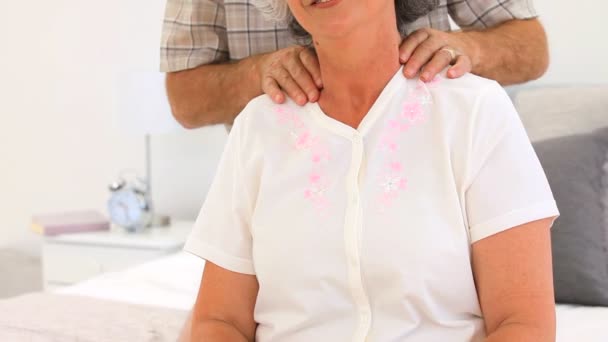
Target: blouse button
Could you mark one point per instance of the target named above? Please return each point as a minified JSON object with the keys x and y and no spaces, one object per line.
{"x":365,"y":317}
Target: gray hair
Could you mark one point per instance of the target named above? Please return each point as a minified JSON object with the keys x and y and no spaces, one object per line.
{"x":274,"y":10}
{"x":407,"y":11}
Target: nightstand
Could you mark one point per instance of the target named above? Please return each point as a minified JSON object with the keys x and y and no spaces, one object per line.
{"x":71,"y":258}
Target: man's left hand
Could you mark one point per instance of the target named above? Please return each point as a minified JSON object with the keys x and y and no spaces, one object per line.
{"x":429,"y":51}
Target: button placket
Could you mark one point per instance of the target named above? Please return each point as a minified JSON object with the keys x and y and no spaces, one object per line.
{"x":353,"y":238}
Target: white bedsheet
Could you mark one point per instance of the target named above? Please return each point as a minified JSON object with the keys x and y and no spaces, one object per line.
{"x":170,"y":282}
{"x":173,"y":282}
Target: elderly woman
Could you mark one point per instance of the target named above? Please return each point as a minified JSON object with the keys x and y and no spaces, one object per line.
{"x":391,"y":210}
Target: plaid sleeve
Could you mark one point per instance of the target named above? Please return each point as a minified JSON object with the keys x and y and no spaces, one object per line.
{"x":194,"y":33}
{"x":480,"y":14}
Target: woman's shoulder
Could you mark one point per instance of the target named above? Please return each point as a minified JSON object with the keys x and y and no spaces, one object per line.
{"x":468,"y":86}
{"x":255,"y":107}
{"x":471,"y":107}
{"x":262,"y":111}
{"x":263,"y":121}
{"x":469,"y":97}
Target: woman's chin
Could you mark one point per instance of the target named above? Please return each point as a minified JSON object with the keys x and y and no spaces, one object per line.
{"x":332,"y":30}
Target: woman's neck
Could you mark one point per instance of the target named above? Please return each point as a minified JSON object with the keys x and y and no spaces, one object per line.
{"x":355,"y":69}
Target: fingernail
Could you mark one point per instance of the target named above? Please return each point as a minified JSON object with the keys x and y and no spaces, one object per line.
{"x":403,"y":58}
{"x":312,"y":96}
{"x":426,"y":75}
{"x":277,"y":98}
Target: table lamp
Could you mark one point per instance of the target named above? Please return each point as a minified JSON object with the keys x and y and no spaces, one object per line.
{"x":143,"y":108}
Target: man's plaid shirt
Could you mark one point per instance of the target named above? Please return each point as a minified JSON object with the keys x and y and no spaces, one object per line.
{"x":197,"y":32}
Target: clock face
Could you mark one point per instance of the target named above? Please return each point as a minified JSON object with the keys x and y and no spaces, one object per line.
{"x":127,"y":209}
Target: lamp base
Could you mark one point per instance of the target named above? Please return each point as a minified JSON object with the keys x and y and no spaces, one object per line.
{"x":160,"y":221}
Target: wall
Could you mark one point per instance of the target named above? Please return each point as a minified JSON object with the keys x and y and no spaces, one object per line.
{"x":59,"y":147}
{"x":577,"y":35}
{"x":58,"y":66}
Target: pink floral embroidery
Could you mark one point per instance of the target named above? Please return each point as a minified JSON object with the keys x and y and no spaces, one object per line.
{"x":395,"y":166}
{"x":413,"y":112}
{"x":430,"y":84}
{"x":305,"y":141}
{"x":287,"y":117}
{"x":392,"y":180}
{"x":392,"y":146}
{"x":421,"y":92}
{"x":398,"y":126}
{"x":320,"y":154}
{"x":391,"y":186}
{"x":435,"y":81}
{"x":391,"y":183}
{"x":315,"y":192}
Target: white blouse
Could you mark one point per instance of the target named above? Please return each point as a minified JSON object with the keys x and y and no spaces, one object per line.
{"x":365,"y":234}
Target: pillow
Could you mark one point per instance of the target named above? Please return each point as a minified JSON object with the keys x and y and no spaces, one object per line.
{"x":577,"y":170}
{"x":567,"y":127}
{"x":552,"y":112}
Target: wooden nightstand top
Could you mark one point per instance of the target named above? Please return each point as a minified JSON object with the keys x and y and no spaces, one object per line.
{"x":161,"y":238}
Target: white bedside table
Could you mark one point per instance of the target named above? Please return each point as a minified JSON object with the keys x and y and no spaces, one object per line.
{"x":71,"y":258}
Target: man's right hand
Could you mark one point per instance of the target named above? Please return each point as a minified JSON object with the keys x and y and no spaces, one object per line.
{"x":215,"y":93}
{"x":295,"y":71}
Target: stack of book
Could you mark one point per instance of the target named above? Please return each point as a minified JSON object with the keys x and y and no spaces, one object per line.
{"x":69,"y":222}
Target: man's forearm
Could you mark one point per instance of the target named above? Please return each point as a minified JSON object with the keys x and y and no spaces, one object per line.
{"x":213,"y":94}
{"x":513,"y":52}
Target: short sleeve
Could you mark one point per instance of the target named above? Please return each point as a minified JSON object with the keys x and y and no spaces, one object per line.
{"x":479,"y":14}
{"x":193,"y":34}
{"x":222,"y":232}
{"x":506,"y":185}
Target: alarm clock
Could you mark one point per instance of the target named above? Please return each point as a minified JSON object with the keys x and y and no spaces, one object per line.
{"x":129,"y":205}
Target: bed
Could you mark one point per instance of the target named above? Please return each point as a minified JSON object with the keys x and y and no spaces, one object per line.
{"x":150,"y":302}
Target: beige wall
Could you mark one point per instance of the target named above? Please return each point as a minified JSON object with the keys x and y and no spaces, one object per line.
{"x":577,"y":32}
{"x":59,"y":61}
{"x":59,"y":146}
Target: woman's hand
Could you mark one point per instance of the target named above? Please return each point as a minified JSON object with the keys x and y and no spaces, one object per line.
{"x":429,"y":51}
{"x":295,"y":71}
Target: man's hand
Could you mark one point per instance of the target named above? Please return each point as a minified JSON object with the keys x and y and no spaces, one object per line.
{"x":512,"y":52}
{"x":430,"y":51}
{"x":295,"y":71}
{"x":228,"y":87}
